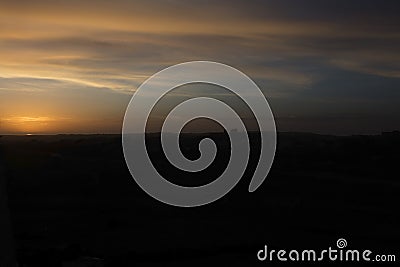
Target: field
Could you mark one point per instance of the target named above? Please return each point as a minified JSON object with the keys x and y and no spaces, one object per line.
{"x":71,"y":197}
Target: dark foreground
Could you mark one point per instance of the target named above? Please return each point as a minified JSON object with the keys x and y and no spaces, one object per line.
{"x":73,"y":202}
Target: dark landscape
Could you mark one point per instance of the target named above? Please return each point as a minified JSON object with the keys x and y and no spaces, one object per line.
{"x":72,"y":201}
{"x":80,"y":80}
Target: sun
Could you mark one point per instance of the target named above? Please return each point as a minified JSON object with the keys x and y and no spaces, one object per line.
{"x":28,"y":125}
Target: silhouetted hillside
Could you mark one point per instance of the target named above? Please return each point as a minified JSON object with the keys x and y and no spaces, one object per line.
{"x":73,"y":201}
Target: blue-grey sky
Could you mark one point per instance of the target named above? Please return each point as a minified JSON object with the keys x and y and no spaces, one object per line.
{"x":325,"y":66}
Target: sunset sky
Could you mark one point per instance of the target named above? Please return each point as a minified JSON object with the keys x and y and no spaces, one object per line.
{"x":325,"y":66}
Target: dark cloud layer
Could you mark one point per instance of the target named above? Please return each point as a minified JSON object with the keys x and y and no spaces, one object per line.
{"x":313,"y":59}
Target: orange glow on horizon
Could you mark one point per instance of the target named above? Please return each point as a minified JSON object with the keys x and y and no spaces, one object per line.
{"x":30,"y":124}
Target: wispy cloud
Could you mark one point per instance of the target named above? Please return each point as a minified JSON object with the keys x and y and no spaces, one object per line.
{"x":288,"y":47}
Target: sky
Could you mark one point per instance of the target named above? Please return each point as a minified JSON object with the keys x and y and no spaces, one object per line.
{"x":329,"y":67}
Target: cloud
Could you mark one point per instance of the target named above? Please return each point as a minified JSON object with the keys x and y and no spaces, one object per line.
{"x":128,"y":41}
{"x":66,"y":51}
